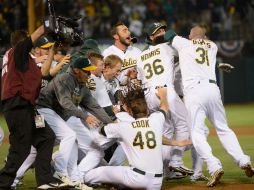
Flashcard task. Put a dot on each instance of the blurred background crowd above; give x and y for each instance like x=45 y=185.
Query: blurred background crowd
x=225 y=19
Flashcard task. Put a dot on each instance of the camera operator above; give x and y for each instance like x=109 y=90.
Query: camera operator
x=21 y=83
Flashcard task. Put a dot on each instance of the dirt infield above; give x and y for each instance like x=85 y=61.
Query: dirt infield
x=239 y=131
x=221 y=186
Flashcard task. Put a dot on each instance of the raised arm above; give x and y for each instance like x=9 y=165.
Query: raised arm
x=37 y=33
x=172 y=142
x=162 y=94
x=45 y=68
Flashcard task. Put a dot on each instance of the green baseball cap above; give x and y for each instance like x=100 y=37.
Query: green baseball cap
x=83 y=63
x=90 y=45
x=154 y=27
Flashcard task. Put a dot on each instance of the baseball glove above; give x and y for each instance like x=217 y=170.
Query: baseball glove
x=226 y=67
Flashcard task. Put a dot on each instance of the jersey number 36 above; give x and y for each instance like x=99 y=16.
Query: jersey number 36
x=153 y=69
x=149 y=137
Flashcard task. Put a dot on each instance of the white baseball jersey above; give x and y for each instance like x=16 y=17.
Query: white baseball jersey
x=203 y=99
x=141 y=140
x=129 y=58
x=155 y=65
x=196 y=62
x=100 y=92
x=178 y=79
x=156 y=68
x=111 y=86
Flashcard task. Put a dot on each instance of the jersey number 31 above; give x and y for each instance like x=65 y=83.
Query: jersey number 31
x=150 y=140
x=202 y=56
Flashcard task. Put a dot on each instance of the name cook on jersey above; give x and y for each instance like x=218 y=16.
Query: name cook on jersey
x=150 y=54
x=140 y=123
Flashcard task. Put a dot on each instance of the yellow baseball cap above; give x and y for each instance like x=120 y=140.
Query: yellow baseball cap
x=44 y=42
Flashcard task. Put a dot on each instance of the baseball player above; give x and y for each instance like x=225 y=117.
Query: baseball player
x=97 y=86
x=123 y=48
x=202 y=98
x=65 y=103
x=112 y=70
x=155 y=35
x=156 y=68
x=141 y=139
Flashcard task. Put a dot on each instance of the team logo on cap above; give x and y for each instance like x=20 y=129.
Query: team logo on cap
x=157 y=24
x=89 y=62
x=46 y=39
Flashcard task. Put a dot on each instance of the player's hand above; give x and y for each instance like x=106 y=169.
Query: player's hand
x=41 y=59
x=226 y=67
x=161 y=92
x=132 y=73
x=66 y=59
x=116 y=108
x=184 y=143
x=92 y=121
x=173 y=142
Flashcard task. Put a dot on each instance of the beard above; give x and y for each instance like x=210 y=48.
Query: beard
x=159 y=40
x=124 y=42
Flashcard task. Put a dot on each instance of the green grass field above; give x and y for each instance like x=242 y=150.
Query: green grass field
x=239 y=117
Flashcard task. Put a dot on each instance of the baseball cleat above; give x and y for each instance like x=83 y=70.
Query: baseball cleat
x=201 y=177
x=65 y=179
x=175 y=175
x=81 y=186
x=48 y=186
x=215 y=178
x=181 y=169
x=249 y=171
x=17 y=182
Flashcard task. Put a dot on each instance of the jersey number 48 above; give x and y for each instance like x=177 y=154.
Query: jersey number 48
x=149 y=137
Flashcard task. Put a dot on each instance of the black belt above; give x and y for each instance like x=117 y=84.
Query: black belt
x=160 y=86
x=144 y=173
x=212 y=81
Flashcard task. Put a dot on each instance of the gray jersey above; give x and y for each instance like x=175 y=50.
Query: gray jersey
x=64 y=94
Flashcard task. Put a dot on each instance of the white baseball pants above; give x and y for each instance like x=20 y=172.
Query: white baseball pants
x=85 y=142
x=25 y=166
x=178 y=114
x=204 y=100
x=123 y=175
x=64 y=134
